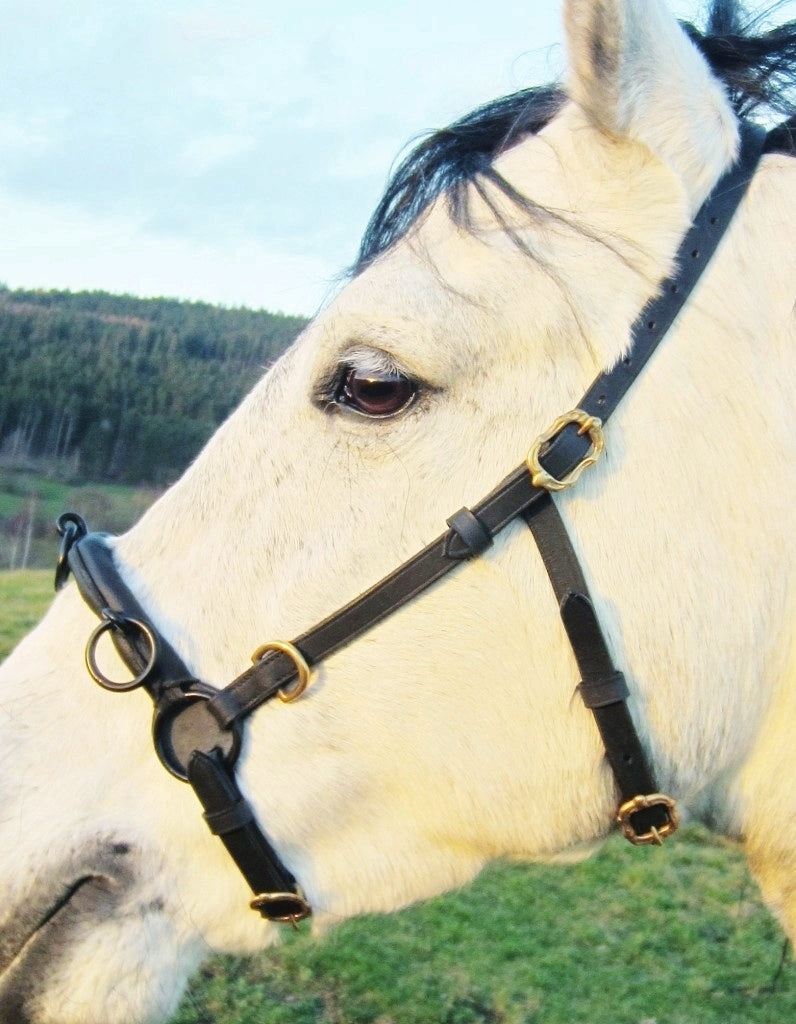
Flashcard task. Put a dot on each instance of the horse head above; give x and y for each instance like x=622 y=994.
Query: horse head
x=496 y=281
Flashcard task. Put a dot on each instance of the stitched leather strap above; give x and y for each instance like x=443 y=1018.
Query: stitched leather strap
x=229 y=816
x=694 y=254
x=603 y=687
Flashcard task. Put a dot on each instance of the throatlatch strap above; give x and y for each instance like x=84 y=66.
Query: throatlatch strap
x=229 y=816
x=602 y=688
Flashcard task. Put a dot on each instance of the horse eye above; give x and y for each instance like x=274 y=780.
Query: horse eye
x=375 y=394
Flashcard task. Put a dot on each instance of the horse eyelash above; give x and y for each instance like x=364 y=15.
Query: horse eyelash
x=366 y=361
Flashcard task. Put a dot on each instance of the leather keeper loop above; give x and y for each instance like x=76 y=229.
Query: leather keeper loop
x=470 y=530
x=599 y=693
x=229 y=819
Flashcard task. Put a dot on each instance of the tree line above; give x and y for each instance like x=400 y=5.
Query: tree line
x=107 y=387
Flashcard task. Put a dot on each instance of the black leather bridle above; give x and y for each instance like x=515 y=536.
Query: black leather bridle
x=197 y=729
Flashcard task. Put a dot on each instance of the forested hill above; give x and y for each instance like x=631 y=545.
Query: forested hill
x=109 y=387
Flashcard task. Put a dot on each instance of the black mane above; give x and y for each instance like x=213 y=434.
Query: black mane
x=757 y=67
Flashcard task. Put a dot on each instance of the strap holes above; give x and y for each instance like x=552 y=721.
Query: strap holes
x=601 y=400
x=627 y=758
x=714 y=220
x=627 y=360
x=695 y=254
x=674 y=289
x=651 y=325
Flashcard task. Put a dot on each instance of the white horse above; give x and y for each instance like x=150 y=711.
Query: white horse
x=449 y=734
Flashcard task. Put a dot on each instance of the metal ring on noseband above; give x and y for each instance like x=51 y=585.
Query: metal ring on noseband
x=180 y=726
x=588 y=424
x=298 y=659
x=112 y=620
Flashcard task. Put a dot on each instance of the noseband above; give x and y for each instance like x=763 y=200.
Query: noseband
x=197 y=729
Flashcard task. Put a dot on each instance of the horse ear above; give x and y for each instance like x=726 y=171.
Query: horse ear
x=637 y=76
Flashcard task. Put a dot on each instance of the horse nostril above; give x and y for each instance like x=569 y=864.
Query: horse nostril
x=120 y=849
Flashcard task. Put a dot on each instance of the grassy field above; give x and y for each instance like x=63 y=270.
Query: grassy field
x=24 y=597
x=26 y=496
x=672 y=936
x=633 y=936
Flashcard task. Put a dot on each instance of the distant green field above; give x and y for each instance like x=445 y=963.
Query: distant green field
x=28 y=498
x=55 y=495
x=633 y=936
x=24 y=597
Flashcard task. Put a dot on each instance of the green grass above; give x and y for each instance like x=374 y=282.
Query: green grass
x=672 y=936
x=24 y=597
x=633 y=936
x=110 y=507
x=53 y=495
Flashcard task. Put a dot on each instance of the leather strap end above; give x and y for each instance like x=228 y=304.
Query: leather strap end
x=229 y=816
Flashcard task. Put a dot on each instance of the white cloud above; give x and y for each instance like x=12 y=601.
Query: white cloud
x=224 y=151
x=49 y=246
x=230 y=151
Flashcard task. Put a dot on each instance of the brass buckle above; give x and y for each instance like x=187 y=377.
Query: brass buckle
x=655 y=836
x=588 y=424
x=282 y=907
x=298 y=659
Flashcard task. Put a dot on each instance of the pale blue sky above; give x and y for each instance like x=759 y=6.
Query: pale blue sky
x=231 y=150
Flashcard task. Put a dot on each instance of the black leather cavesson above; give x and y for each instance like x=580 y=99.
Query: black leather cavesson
x=189 y=742
x=197 y=729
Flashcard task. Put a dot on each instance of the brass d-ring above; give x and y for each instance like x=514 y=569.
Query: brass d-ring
x=298 y=659
x=121 y=622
